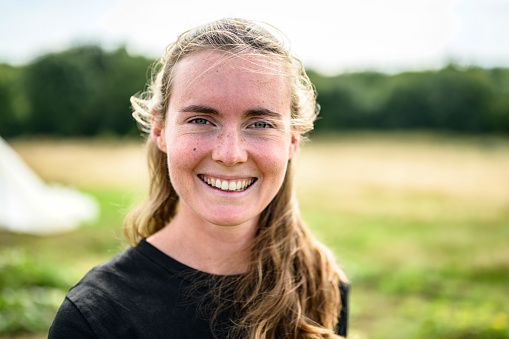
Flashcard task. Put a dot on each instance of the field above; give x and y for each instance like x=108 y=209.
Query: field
x=420 y=224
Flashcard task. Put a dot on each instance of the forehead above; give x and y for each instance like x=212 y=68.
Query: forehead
x=214 y=73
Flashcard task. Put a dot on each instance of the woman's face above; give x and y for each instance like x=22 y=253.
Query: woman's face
x=227 y=136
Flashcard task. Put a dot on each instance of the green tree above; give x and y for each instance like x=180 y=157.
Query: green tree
x=13 y=103
x=63 y=90
x=126 y=75
x=83 y=91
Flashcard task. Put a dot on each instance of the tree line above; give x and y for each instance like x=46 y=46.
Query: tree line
x=453 y=99
x=84 y=91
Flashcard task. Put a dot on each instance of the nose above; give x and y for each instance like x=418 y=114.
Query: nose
x=230 y=148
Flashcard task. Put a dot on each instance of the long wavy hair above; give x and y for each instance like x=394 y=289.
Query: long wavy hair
x=291 y=289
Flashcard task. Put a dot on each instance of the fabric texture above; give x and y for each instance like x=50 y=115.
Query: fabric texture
x=143 y=293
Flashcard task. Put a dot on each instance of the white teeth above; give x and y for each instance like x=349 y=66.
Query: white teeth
x=224 y=185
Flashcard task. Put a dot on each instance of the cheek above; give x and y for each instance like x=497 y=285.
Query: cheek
x=274 y=160
x=183 y=156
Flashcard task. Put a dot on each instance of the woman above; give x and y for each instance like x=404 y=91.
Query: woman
x=220 y=248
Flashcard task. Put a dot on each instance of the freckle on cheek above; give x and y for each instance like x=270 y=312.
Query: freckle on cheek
x=194 y=149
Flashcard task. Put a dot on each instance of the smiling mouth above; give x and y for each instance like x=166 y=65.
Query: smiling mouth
x=237 y=185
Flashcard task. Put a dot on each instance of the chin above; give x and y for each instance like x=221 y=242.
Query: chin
x=230 y=220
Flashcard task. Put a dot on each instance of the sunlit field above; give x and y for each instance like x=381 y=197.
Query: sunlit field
x=419 y=223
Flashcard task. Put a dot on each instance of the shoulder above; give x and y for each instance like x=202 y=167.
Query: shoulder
x=70 y=323
x=136 y=272
x=105 y=290
x=81 y=315
x=105 y=279
x=138 y=293
x=117 y=297
x=344 y=289
x=128 y=272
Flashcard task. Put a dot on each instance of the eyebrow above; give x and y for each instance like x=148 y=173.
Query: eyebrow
x=256 y=112
x=198 y=109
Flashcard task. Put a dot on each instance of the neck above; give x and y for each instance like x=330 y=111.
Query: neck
x=221 y=250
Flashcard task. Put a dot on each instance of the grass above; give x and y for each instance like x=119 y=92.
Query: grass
x=36 y=272
x=418 y=222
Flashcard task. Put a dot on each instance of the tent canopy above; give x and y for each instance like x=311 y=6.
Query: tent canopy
x=28 y=205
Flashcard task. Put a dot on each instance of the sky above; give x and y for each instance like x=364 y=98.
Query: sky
x=330 y=36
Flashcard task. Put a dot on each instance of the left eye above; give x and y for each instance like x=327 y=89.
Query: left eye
x=199 y=121
x=260 y=124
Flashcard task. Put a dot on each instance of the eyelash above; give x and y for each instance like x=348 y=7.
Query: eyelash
x=265 y=123
x=199 y=121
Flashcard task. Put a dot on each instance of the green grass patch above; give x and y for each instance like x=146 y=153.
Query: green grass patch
x=415 y=277
x=36 y=272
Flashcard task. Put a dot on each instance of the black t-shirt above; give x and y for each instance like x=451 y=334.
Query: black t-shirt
x=143 y=293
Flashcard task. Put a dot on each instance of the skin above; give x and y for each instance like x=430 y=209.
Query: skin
x=228 y=118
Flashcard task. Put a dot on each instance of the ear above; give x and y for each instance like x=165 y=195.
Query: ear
x=294 y=144
x=157 y=133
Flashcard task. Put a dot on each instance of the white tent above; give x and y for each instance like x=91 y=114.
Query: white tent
x=28 y=205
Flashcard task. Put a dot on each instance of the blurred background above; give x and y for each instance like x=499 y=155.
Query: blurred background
x=406 y=178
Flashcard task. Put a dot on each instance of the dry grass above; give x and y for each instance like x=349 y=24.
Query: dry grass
x=86 y=163
x=463 y=168
x=347 y=173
